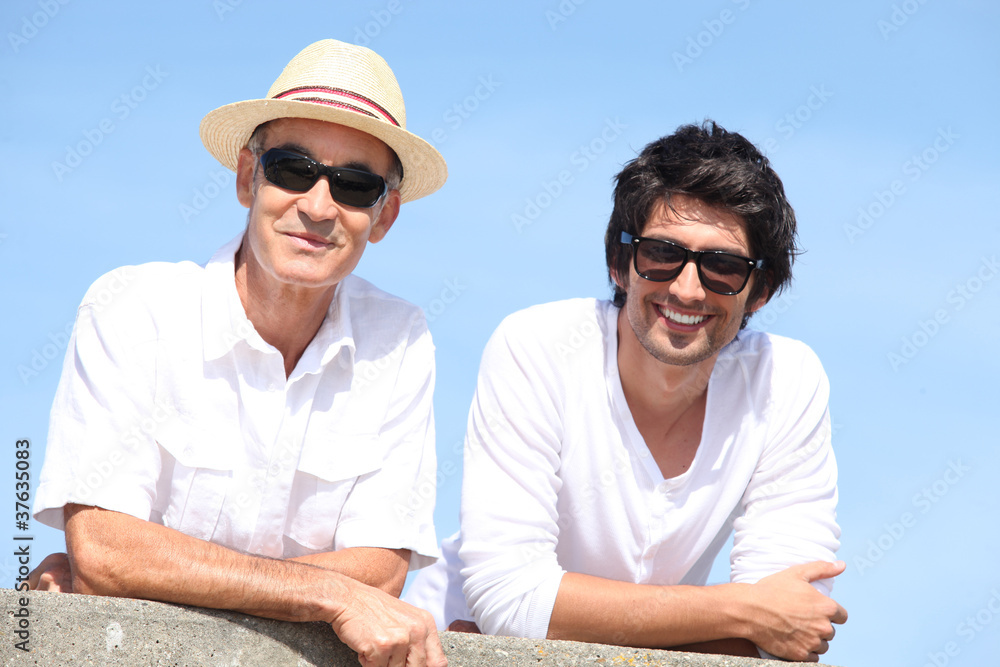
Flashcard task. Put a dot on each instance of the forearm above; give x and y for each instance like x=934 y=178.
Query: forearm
x=782 y=613
x=116 y=554
x=384 y=569
x=593 y=609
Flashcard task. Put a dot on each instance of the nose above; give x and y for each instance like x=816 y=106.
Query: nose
x=317 y=202
x=687 y=286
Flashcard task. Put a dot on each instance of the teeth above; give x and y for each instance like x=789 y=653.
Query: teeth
x=681 y=319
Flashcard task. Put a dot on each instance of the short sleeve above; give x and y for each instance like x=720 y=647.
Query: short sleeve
x=101 y=450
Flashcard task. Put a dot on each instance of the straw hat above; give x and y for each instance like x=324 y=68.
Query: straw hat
x=339 y=83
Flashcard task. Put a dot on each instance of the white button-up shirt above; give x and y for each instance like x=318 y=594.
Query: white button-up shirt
x=173 y=409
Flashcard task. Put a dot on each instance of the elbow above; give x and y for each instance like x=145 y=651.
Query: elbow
x=393 y=584
x=87 y=569
x=90 y=559
x=492 y=617
x=393 y=570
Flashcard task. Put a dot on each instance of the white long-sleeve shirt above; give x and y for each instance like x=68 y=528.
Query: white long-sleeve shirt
x=558 y=478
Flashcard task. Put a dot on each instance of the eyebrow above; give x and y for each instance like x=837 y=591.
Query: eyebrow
x=738 y=252
x=302 y=150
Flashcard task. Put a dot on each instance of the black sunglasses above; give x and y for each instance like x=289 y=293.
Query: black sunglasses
x=351 y=187
x=660 y=261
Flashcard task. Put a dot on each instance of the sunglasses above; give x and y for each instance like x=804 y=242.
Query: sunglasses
x=660 y=261
x=351 y=187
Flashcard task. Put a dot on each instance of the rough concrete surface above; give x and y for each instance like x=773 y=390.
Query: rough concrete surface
x=77 y=630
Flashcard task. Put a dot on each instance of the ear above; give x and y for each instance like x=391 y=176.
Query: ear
x=620 y=281
x=244 y=178
x=386 y=216
x=760 y=301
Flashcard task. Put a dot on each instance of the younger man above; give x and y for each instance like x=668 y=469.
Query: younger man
x=612 y=447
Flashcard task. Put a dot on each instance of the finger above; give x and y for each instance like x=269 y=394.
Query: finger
x=375 y=655
x=372 y=658
x=33 y=578
x=820 y=569
x=464 y=626
x=36 y=574
x=840 y=616
x=435 y=652
x=47 y=582
x=52 y=582
x=406 y=655
x=824 y=646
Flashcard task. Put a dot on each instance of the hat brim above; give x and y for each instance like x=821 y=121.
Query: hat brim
x=226 y=130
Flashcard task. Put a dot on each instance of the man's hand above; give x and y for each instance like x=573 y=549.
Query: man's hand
x=467 y=627
x=792 y=619
x=385 y=631
x=53 y=574
x=117 y=554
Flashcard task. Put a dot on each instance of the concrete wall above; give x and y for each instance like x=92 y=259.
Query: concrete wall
x=83 y=630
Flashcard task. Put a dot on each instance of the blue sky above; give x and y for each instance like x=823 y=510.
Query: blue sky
x=879 y=116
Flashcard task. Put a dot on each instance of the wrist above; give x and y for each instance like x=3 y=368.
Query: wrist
x=338 y=591
x=739 y=610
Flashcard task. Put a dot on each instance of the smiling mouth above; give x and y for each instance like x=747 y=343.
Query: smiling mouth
x=314 y=241
x=673 y=316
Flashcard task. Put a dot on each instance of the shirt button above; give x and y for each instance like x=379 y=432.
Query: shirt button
x=272 y=387
x=274 y=470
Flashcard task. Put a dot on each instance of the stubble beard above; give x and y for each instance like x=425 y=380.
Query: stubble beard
x=679 y=348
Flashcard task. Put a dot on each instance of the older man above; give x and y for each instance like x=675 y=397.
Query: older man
x=613 y=446
x=248 y=434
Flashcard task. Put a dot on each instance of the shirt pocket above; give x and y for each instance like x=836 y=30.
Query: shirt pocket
x=326 y=475
x=203 y=465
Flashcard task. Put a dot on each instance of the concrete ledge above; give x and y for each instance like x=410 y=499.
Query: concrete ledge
x=86 y=630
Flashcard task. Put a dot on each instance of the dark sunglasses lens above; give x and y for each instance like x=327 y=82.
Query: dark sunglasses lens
x=356 y=188
x=724 y=273
x=290 y=172
x=656 y=260
x=351 y=187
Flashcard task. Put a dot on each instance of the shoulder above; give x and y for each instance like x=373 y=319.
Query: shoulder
x=761 y=347
x=370 y=307
x=775 y=365
x=129 y=290
x=551 y=323
x=552 y=333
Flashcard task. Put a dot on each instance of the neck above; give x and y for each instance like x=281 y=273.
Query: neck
x=286 y=316
x=654 y=387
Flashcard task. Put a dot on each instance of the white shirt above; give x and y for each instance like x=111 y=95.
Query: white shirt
x=558 y=478
x=173 y=409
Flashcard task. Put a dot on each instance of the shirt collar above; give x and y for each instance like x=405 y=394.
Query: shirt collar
x=225 y=323
x=335 y=334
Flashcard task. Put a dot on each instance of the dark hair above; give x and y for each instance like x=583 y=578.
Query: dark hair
x=720 y=168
